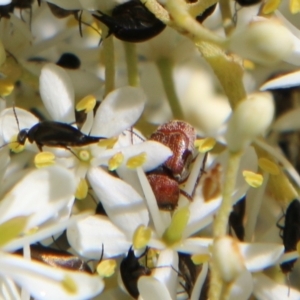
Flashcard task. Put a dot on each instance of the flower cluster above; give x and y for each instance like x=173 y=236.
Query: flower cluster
x=149 y=149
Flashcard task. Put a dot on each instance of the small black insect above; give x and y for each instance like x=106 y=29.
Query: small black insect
x=290 y=233
x=132 y=22
x=201 y=18
x=236 y=218
x=55 y=134
x=69 y=61
x=247 y=2
x=57 y=258
x=131 y=270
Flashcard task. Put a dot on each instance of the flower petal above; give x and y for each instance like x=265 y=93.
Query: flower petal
x=118 y=111
x=57 y=93
x=44 y=282
x=89 y=235
x=124 y=206
x=39 y=195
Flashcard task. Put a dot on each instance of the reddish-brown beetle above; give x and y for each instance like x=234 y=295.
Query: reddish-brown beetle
x=179 y=136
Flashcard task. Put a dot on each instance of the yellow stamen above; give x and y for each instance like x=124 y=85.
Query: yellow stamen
x=6 y=87
x=14 y=146
x=205 y=145
x=268 y=166
x=11 y=229
x=141 y=237
x=136 y=161
x=108 y=143
x=248 y=64
x=69 y=284
x=87 y=104
x=270 y=6
x=200 y=258
x=32 y=230
x=106 y=268
x=253 y=179
x=44 y=159
x=294 y=6
x=82 y=189
x=115 y=161
x=84 y=155
x=173 y=233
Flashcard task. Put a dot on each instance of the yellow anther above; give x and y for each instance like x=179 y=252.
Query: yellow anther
x=82 y=189
x=141 y=237
x=200 y=258
x=106 y=268
x=268 y=166
x=16 y=147
x=248 y=64
x=205 y=145
x=136 y=161
x=253 y=179
x=69 y=284
x=44 y=159
x=173 y=233
x=6 y=87
x=294 y=6
x=115 y=161
x=11 y=229
x=87 y=104
x=108 y=143
x=84 y=155
x=270 y=6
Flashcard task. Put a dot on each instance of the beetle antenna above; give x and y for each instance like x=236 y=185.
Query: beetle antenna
x=15 y=113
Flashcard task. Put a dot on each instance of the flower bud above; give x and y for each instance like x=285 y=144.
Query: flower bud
x=227 y=258
x=250 y=119
x=263 y=41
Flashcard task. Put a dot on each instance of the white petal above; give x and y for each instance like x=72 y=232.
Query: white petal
x=157 y=154
x=118 y=111
x=9 y=126
x=266 y=289
x=242 y=287
x=5 y=2
x=289 y=121
x=44 y=282
x=39 y=195
x=124 y=206
x=285 y=81
x=43 y=233
x=259 y=256
x=199 y=282
x=163 y=280
x=89 y=235
x=57 y=93
x=195 y=245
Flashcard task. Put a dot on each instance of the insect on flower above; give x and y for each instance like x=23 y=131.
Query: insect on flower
x=54 y=134
x=179 y=136
x=69 y=61
x=57 y=258
x=132 y=22
x=131 y=270
x=290 y=233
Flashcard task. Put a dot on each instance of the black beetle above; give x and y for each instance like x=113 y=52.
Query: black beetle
x=247 y=2
x=69 y=61
x=132 y=22
x=236 y=218
x=55 y=134
x=131 y=270
x=57 y=258
x=290 y=233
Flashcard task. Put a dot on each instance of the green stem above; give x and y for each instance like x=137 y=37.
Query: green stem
x=221 y=219
x=165 y=67
x=132 y=64
x=226 y=16
x=109 y=62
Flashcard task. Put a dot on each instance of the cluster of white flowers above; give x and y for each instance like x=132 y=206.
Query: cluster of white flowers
x=78 y=102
